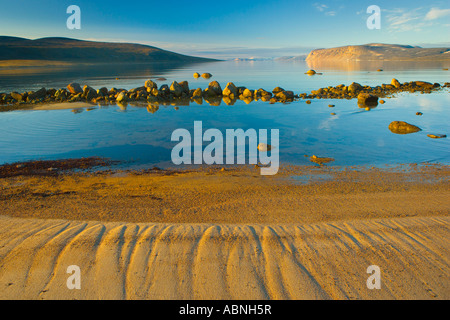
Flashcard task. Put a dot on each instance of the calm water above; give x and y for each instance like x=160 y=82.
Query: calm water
x=353 y=136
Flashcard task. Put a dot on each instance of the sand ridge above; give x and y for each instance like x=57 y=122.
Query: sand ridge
x=226 y=234
x=213 y=261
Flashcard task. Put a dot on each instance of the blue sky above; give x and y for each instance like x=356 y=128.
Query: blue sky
x=233 y=28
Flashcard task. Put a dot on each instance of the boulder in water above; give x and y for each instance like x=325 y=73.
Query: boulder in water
x=402 y=127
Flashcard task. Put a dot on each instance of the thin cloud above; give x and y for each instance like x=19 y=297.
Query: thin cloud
x=320 y=7
x=436 y=13
x=324 y=8
x=401 y=20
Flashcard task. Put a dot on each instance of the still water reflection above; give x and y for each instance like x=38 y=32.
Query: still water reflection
x=140 y=135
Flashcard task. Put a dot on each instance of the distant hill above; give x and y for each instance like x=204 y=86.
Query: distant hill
x=380 y=52
x=72 y=50
x=292 y=58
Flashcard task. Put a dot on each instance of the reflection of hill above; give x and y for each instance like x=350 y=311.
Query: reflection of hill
x=380 y=52
x=13 y=79
x=352 y=65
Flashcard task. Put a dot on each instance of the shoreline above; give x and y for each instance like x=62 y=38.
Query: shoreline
x=297 y=194
x=227 y=234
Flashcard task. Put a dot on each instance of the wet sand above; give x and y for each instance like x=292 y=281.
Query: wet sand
x=63 y=105
x=231 y=234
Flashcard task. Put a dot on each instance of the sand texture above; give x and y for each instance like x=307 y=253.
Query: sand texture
x=202 y=261
x=226 y=235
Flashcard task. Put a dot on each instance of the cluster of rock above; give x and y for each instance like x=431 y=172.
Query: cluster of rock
x=353 y=90
x=205 y=75
x=179 y=93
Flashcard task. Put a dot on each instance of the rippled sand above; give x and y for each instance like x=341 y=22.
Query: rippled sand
x=320 y=248
x=202 y=261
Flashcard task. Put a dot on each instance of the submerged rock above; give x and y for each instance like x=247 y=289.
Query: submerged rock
x=437 y=136
x=320 y=160
x=401 y=127
x=310 y=72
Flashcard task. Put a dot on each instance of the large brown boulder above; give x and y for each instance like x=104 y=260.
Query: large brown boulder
x=176 y=89
x=401 y=127
x=285 y=95
x=74 y=88
x=367 y=100
x=40 y=94
x=103 y=91
x=229 y=90
x=354 y=87
x=214 y=86
x=185 y=86
x=396 y=83
x=122 y=97
x=16 y=96
x=197 y=93
x=277 y=90
x=247 y=93
x=423 y=84
x=150 y=85
x=89 y=93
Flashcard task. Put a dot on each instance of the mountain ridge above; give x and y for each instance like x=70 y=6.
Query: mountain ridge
x=380 y=52
x=75 y=50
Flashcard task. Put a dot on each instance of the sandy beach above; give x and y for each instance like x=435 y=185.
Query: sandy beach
x=227 y=234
